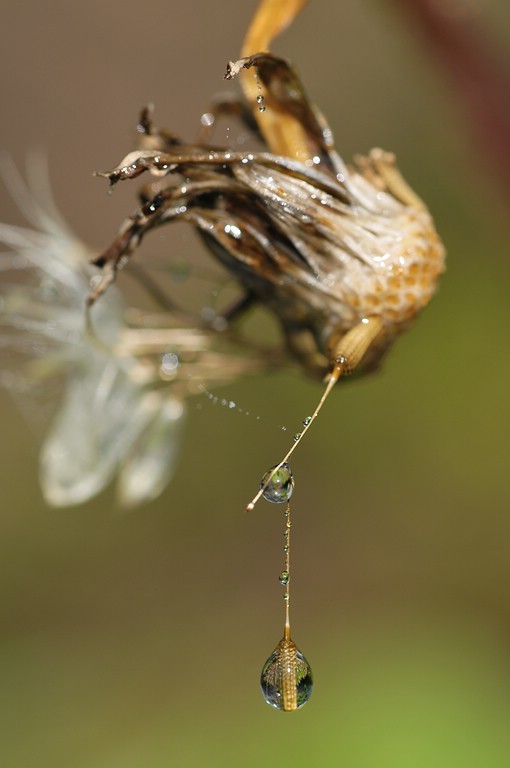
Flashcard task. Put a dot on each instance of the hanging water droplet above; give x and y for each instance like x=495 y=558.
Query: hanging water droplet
x=286 y=678
x=284 y=578
x=278 y=484
x=307 y=421
x=260 y=102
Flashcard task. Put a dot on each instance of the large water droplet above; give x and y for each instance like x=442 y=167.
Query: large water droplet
x=281 y=485
x=284 y=578
x=286 y=678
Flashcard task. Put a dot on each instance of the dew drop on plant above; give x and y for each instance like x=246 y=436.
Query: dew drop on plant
x=169 y=364
x=284 y=578
x=278 y=484
x=286 y=679
x=207 y=119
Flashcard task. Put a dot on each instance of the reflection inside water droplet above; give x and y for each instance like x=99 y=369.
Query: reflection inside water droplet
x=286 y=679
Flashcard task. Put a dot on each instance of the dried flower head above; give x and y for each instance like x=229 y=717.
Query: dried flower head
x=322 y=245
x=344 y=257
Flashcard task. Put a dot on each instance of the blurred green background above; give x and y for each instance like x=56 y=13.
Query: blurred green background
x=137 y=640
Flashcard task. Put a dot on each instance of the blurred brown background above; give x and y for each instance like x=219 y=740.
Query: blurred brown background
x=138 y=640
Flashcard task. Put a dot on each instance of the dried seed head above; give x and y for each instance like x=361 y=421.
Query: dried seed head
x=344 y=257
x=320 y=244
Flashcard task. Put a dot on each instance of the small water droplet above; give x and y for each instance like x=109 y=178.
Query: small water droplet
x=169 y=364
x=280 y=484
x=232 y=230
x=297 y=437
x=207 y=119
x=286 y=680
x=307 y=421
x=284 y=578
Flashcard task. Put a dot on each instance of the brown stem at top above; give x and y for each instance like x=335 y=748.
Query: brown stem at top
x=479 y=75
